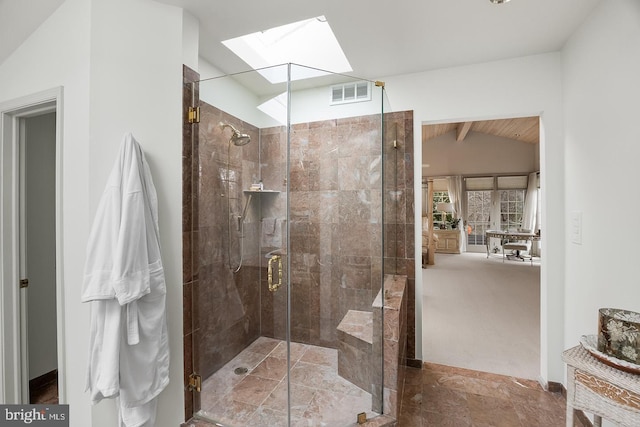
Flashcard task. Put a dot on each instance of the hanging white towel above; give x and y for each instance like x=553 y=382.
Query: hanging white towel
x=124 y=283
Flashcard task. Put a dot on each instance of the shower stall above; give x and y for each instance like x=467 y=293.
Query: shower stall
x=286 y=221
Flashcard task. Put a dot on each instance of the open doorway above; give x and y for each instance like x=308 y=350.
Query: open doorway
x=38 y=208
x=498 y=302
x=30 y=291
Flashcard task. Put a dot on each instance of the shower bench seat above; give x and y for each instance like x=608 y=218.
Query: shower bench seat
x=355 y=342
x=357 y=352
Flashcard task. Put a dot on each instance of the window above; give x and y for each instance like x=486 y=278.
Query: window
x=440 y=219
x=478 y=215
x=511 y=209
x=290 y=44
x=440 y=195
x=479 y=193
x=512 y=190
x=493 y=203
x=350 y=92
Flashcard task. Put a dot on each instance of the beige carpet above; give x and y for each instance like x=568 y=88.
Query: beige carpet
x=482 y=314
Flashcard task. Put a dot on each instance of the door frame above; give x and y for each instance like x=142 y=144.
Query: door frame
x=544 y=313
x=13 y=359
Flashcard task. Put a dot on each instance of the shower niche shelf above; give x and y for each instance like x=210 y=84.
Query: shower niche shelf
x=261 y=191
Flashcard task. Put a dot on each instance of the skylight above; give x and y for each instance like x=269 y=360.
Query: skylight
x=276 y=107
x=309 y=42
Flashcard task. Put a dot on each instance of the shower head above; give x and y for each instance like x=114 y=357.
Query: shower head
x=237 y=138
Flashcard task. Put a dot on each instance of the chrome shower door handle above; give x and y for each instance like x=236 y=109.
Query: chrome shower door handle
x=274 y=286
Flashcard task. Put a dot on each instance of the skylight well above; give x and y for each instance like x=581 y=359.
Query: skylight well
x=310 y=43
x=276 y=108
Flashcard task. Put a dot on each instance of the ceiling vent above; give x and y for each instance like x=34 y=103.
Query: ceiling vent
x=351 y=92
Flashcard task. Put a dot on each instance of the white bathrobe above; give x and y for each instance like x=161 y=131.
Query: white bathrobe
x=124 y=283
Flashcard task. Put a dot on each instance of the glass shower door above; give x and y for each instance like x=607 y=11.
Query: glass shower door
x=287 y=244
x=239 y=256
x=335 y=234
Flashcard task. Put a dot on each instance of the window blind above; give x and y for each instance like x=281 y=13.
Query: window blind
x=440 y=184
x=479 y=183
x=512 y=182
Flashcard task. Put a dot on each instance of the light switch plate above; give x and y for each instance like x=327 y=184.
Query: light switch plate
x=576 y=227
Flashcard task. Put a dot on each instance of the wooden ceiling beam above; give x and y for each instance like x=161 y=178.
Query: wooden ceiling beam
x=525 y=129
x=462 y=130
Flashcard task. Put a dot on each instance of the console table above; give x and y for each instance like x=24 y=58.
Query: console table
x=600 y=389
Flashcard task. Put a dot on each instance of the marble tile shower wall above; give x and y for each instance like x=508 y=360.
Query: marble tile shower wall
x=227 y=303
x=335 y=224
x=399 y=234
x=336 y=218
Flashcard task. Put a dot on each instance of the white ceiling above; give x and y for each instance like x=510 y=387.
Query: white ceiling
x=383 y=38
x=380 y=38
x=19 y=18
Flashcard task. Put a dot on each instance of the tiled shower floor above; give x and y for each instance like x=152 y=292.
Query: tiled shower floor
x=319 y=396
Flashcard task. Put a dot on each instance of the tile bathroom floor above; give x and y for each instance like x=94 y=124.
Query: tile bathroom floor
x=439 y=395
x=320 y=397
x=436 y=395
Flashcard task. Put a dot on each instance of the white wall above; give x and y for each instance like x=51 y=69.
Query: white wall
x=314 y=104
x=308 y=104
x=57 y=54
x=527 y=86
x=190 y=38
x=136 y=85
x=601 y=93
x=479 y=153
x=120 y=63
x=229 y=95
